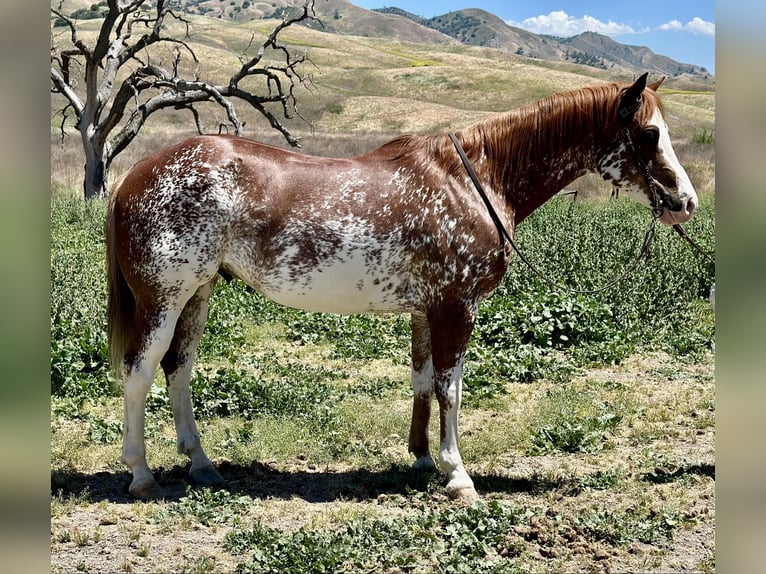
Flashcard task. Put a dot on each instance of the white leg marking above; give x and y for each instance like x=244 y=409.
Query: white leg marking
x=423 y=380
x=183 y=416
x=450 y=461
x=137 y=385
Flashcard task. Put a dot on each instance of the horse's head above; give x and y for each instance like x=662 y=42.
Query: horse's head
x=641 y=160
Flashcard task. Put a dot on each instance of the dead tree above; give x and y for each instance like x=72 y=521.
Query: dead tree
x=113 y=85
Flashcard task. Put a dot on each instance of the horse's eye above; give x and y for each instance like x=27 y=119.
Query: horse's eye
x=651 y=135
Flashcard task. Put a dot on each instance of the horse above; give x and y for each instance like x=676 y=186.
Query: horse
x=401 y=229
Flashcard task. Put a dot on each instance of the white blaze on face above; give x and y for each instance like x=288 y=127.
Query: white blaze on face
x=686 y=192
x=683 y=187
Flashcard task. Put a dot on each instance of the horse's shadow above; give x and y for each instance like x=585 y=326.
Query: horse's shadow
x=262 y=481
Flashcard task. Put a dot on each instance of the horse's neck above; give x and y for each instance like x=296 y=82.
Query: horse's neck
x=541 y=161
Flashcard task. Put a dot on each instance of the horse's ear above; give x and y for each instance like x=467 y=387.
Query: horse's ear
x=634 y=91
x=656 y=85
x=631 y=98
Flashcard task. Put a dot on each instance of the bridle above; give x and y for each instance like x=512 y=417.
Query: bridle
x=626 y=114
x=657 y=205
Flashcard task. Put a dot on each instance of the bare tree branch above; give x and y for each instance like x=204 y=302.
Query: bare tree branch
x=111 y=107
x=64 y=118
x=62 y=87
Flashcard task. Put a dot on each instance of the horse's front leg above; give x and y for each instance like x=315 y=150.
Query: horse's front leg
x=450 y=330
x=423 y=392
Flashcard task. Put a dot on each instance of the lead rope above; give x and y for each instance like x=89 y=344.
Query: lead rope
x=682 y=233
x=504 y=235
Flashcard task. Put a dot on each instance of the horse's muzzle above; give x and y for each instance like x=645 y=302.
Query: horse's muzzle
x=679 y=211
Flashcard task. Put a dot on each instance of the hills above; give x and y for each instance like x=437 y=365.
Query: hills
x=471 y=26
x=480 y=28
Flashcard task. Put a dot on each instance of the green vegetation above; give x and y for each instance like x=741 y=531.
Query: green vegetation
x=706 y=137
x=526 y=331
x=468 y=29
x=483 y=538
x=479 y=539
x=95 y=11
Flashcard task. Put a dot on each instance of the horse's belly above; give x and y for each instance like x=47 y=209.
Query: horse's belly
x=345 y=286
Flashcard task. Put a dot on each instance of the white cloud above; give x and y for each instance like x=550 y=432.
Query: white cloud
x=672 y=25
x=700 y=26
x=559 y=23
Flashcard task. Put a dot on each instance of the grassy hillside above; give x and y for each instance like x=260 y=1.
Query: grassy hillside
x=365 y=90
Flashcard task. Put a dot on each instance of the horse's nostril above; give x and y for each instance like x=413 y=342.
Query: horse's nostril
x=691 y=205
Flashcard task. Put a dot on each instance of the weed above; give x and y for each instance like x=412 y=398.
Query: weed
x=81 y=538
x=103 y=431
x=459 y=539
x=572 y=420
x=601 y=480
x=63 y=505
x=210 y=506
x=204 y=565
x=623 y=526
x=704 y=137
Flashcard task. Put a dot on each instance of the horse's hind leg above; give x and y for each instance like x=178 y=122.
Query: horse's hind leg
x=177 y=365
x=423 y=392
x=154 y=332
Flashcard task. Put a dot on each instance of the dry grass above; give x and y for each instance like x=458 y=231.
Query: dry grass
x=365 y=90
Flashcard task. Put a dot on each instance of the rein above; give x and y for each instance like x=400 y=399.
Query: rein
x=504 y=235
x=682 y=233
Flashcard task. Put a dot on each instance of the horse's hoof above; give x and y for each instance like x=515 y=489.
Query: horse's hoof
x=424 y=463
x=147 y=491
x=466 y=495
x=206 y=476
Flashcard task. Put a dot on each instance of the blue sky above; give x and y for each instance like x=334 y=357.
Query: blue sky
x=680 y=29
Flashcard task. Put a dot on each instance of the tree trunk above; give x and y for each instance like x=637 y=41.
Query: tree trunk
x=94 y=183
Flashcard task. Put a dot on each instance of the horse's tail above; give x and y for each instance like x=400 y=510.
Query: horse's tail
x=121 y=304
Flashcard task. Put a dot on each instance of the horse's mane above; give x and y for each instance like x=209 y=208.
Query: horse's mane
x=540 y=129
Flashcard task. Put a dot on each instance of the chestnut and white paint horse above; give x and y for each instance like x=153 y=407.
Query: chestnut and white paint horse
x=401 y=229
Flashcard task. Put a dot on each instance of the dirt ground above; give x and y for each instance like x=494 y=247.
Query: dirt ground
x=665 y=458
